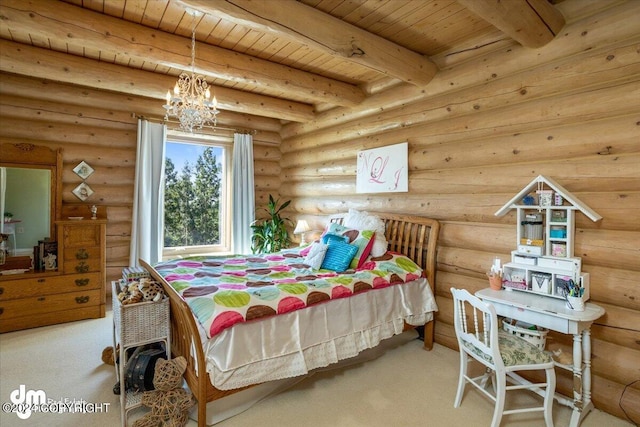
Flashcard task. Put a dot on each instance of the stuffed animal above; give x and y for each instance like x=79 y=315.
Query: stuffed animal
x=169 y=402
x=151 y=291
x=141 y=290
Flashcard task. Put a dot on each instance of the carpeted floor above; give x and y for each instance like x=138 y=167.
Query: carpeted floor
x=404 y=386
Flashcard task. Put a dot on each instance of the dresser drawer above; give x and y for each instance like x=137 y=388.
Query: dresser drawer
x=81 y=253
x=49 y=285
x=52 y=318
x=81 y=235
x=83 y=266
x=49 y=303
x=81 y=260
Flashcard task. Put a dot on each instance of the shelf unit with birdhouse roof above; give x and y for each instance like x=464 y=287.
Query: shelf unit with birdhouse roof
x=543 y=261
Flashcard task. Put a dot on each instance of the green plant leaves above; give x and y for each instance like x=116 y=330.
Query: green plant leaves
x=271 y=234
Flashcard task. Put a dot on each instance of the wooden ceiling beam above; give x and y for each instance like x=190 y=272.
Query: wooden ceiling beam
x=532 y=23
x=73 y=25
x=47 y=64
x=303 y=24
x=51 y=91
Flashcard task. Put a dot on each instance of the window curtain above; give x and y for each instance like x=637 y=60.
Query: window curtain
x=147 y=229
x=243 y=197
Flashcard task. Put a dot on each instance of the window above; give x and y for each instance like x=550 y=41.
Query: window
x=197 y=197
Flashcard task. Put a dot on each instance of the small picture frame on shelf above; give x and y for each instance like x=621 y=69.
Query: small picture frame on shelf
x=559 y=249
x=83 y=170
x=558 y=216
x=83 y=191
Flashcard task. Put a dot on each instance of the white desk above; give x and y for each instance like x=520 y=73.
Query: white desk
x=552 y=313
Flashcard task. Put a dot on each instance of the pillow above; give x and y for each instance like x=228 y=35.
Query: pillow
x=361 y=220
x=330 y=237
x=338 y=256
x=363 y=239
x=316 y=255
x=306 y=250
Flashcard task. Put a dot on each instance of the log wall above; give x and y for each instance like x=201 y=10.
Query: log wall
x=482 y=130
x=101 y=129
x=491 y=120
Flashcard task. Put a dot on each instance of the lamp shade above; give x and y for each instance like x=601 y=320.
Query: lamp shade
x=301 y=227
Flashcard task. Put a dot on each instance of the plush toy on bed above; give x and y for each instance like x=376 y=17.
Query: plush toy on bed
x=141 y=290
x=169 y=402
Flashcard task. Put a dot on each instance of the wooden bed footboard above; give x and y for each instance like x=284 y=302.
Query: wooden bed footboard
x=185 y=341
x=417 y=238
x=413 y=236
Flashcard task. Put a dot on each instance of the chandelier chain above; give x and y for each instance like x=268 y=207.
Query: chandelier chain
x=193 y=44
x=191 y=103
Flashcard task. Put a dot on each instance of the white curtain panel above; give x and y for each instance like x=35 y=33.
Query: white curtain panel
x=147 y=229
x=243 y=197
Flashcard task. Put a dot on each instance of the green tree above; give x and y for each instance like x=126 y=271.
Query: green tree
x=186 y=195
x=206 y=203
x=171 y=205
x=192 y=202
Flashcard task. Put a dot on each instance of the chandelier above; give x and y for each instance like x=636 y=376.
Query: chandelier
x=191 y=103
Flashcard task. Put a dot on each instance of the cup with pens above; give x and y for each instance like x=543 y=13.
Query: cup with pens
x=495 y=275
x=573 y=294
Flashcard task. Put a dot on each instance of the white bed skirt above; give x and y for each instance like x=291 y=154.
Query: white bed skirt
x=229 y=406
x=293 y=344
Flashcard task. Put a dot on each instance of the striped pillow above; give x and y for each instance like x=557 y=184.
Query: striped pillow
x=363 y=239
x=338 y=256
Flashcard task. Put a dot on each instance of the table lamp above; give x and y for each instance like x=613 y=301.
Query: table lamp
x=301 y=228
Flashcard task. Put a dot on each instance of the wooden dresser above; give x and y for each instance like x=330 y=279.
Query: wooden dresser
x=75 y=291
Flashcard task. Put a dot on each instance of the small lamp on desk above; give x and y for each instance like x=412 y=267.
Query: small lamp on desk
x=301 y=228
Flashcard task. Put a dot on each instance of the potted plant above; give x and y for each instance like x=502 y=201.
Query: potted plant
x=271 y=234
x=8 y=216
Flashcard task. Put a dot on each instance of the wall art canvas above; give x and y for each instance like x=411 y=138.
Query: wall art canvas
x=383 y=170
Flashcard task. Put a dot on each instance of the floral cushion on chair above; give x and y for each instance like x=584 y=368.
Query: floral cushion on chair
x=514 y=351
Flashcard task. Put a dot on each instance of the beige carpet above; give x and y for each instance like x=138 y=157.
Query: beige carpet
x=405 y=386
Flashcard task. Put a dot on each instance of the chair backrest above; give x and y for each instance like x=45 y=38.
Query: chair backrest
x=476 y=326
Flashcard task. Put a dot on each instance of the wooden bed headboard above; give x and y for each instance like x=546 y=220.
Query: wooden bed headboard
x=413 y=236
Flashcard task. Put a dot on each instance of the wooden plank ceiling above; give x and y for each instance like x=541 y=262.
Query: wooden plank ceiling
x=285 y=59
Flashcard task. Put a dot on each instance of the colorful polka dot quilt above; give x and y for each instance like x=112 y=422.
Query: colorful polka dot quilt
x=223 y=291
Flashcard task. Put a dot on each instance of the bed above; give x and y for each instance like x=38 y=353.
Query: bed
x=412 y=237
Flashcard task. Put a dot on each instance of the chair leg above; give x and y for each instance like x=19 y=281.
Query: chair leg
x=549 y=395
x=461 y=380
x=501 y=388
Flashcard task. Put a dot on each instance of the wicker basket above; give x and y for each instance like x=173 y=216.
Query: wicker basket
x=141 y=322
x=537 y=337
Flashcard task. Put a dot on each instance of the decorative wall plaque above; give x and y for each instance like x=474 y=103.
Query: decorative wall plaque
x=83 y=170
x=83 y=191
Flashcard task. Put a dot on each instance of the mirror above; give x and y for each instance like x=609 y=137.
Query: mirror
x=30 y=190
x=25 y=198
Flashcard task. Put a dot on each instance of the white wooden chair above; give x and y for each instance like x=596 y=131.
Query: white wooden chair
x=501 y=353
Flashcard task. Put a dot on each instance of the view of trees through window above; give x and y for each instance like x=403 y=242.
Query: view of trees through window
x=192 y=198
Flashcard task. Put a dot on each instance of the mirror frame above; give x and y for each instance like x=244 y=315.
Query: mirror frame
x=27 y=155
